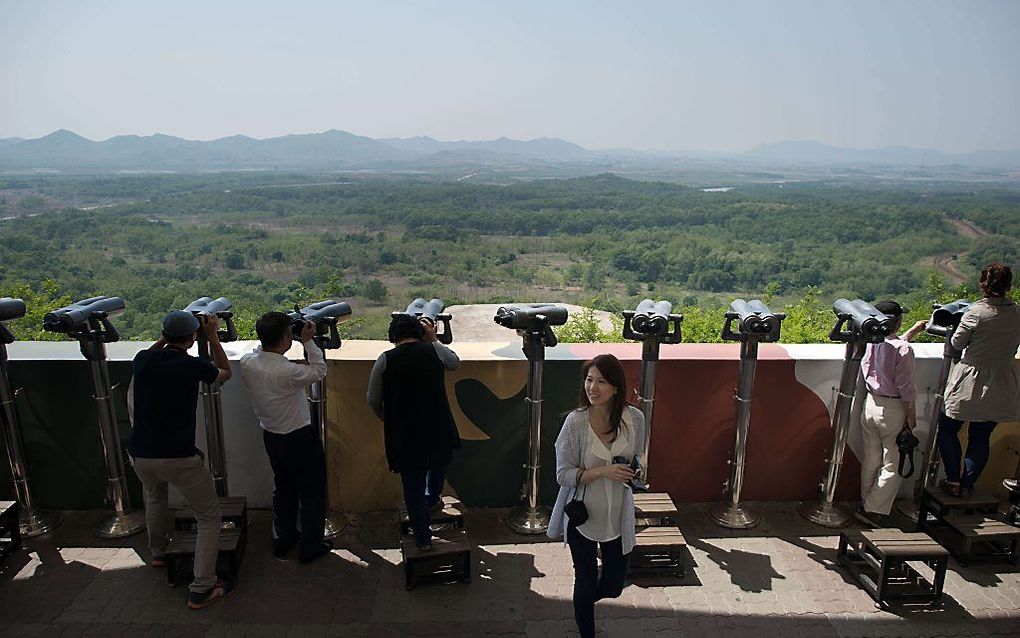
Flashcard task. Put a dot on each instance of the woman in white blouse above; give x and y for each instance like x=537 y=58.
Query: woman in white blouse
x=602 y=428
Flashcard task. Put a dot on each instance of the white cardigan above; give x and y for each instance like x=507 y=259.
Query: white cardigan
x=569 y=448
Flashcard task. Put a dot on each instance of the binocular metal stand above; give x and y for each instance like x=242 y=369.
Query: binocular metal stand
x=930 y=462
x=531 y=518
x=212 y=408
x=32 y=520
x=824 y=511
x=755 y=324
x=667 y=330
x=732 y=513
x=124 y=522
x=317 y=408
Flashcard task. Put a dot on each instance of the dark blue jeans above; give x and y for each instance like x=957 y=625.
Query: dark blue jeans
x=977 y=449
x=589 y=588
x=423 y=488
x=299 y=475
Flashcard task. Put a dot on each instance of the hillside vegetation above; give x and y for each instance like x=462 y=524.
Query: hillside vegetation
x=268 y=241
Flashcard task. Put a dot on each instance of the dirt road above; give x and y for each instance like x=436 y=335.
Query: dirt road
x=947 y=264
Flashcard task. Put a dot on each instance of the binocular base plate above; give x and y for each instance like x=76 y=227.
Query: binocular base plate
x=734 y=516
x=121 y=525
x=37 y=523
x=524 y=520
x=824 y=514
x=334 y=525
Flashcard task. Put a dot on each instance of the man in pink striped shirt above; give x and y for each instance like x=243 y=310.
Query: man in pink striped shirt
x=888 y=369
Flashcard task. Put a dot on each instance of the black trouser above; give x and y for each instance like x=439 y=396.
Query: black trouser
x=589 y=588
x=299 y=474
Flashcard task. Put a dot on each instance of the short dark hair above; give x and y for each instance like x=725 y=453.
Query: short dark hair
x=404 y=326
x=996 y=280
x=891 y=308
x=271 y=328
x=178 y=341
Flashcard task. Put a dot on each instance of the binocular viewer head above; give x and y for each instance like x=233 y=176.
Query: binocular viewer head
x=74 y=320
x=651 y=320
x=754 y=320
x=11 y=308
x=325 y=315
x=222 y=308
x=432 y=311
x=862 y=320
x=946 y=317
x=535 y=322
x=530 y=316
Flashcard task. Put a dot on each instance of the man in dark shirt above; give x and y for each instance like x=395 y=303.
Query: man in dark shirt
x=407 y=391
x=163 y=448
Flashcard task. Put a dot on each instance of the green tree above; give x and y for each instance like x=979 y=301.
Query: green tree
x=37 y=304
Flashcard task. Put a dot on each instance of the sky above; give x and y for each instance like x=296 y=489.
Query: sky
x=672 y=75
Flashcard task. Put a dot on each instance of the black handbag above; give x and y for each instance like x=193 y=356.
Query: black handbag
x=575 y=509
x=906 y=442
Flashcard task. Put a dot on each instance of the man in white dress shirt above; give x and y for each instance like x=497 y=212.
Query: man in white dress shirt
x=277 y=388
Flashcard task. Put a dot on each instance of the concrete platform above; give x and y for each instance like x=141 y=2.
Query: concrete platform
x=779 y=579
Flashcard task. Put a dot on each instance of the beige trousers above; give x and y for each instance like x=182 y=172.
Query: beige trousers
x=195 y=484
x=882 y=420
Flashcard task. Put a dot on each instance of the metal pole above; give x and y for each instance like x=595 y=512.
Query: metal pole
x=317 y=408
x=32 y=521
x=733 y=514
x=212 y=408
x=649 y=369
x=930 y=460
x=824 y=512
x=532 y=518
x=124 y=522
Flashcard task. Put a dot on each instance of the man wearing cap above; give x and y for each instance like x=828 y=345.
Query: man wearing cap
x=163 y=447
x=888 y=369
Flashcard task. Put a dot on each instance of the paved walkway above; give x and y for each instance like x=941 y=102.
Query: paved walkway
x=779 y=579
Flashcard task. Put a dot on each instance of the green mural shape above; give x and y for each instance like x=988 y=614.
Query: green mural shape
x=59 y=424
x=490 y=473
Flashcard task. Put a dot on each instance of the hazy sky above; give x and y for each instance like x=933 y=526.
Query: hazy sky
x=666 y=75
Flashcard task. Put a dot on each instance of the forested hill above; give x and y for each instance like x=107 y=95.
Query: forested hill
x=268 y=242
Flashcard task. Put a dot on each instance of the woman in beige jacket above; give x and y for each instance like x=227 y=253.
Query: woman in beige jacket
x=984 y=387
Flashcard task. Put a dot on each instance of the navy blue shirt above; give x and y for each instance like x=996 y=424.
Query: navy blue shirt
x=166 y=400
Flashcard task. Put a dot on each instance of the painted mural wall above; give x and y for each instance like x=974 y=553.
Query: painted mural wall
x=692 y=433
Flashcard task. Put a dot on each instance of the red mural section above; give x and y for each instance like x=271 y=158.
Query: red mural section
x=693 y=425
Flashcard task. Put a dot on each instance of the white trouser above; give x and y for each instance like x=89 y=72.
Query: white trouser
x=882 y=420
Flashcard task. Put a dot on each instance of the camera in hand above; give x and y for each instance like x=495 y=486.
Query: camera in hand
x=636 y=483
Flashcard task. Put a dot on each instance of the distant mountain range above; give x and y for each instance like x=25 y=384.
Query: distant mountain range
x=337 y=150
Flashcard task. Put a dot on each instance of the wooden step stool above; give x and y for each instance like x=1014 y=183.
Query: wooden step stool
x=448 y=560
x=979 y=536
x=878 y=560
x=10 y=530
x=654 y=509
x=452 y=516
x=233 y=513
x=938 y=504
x=180 y=553
x=659 y=551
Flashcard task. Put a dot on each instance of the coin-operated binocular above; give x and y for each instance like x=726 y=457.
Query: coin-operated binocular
x=432 y=311
x=945 y=318
x=326 y=315
x=88 y=321
x=203 y=308
x=754 y=324
x=534 y=323
x=652 y=323
x=858 y=323
x=31 y=520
